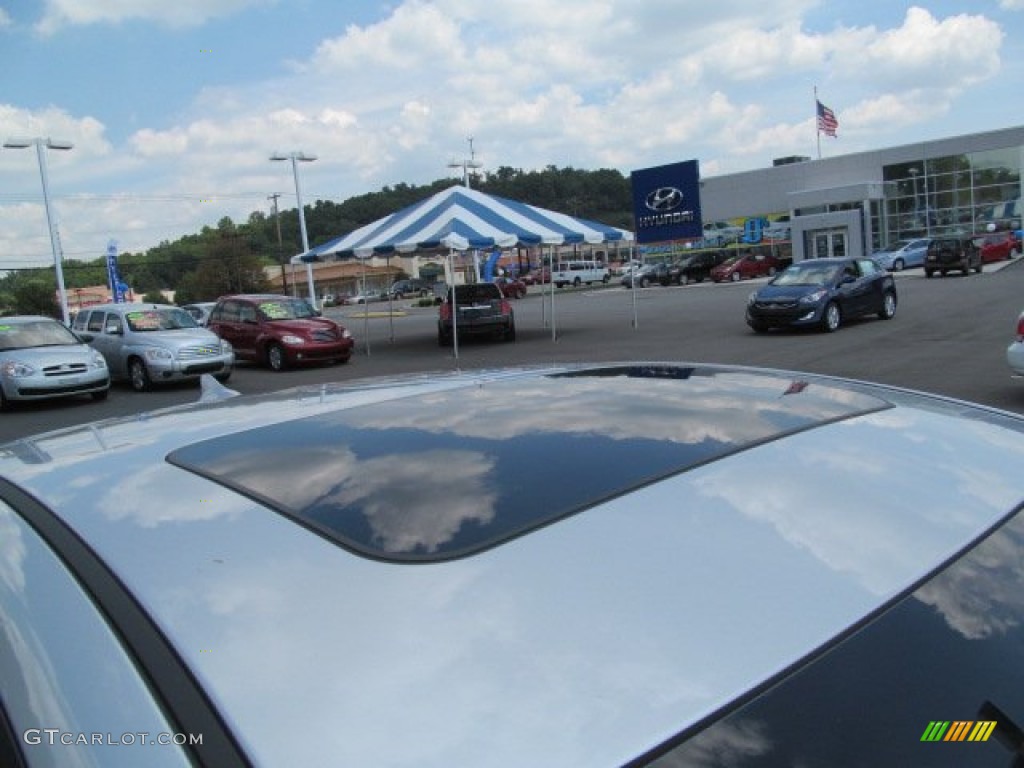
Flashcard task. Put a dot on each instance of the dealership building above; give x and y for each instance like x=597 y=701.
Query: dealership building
x=859 y=203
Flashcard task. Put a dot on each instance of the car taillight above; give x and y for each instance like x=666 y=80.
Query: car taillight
x=1020 y=328
x=506 y=308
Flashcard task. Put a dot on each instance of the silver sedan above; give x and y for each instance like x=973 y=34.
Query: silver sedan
x=40 y=359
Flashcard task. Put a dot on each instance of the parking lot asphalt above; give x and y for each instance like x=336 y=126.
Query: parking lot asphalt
x=949 y=336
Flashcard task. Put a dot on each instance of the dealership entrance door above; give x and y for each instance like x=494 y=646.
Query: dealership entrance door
x=826 y=243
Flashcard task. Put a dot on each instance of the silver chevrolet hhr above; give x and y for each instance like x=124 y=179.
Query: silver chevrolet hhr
x=146 y=344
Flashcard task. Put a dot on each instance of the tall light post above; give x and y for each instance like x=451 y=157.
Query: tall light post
x=51 y=223
x=466 y=164
x=296 y=158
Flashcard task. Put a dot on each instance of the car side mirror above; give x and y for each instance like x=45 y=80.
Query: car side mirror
x=847 y=279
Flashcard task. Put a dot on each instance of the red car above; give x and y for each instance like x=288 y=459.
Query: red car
x=511 y=287
x=745 y=267
x=537 y=276
x=279 y=331
x=998 y=246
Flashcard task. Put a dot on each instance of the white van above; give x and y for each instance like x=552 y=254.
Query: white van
x=579 y=272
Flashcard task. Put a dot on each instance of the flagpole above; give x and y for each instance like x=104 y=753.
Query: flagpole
x=817 y=123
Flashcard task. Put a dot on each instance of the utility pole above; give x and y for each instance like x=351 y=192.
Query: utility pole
x=280 y=242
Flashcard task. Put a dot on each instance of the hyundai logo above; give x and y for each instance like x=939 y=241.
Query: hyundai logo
x=664 y=199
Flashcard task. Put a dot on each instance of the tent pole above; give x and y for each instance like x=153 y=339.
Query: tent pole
x=551 y=259
x=543 y=294
x=366 y=312
x=391 y=308
x=455 y=310
x=632 y=285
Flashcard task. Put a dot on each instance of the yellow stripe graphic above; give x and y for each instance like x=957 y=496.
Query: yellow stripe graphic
x=982 y=730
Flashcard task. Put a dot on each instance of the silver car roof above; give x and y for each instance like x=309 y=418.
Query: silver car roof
x=756 y=516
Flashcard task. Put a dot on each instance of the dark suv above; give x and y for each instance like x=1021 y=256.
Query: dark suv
x=279 y=331
x=697 y=268
x=480 y=308
x=411 y=287
x=952 y=254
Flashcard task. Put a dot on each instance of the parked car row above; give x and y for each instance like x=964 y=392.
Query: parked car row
x=148 y=344
x=953 y=253
x=719 y=266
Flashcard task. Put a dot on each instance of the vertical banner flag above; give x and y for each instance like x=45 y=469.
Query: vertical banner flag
x=118 y=289
x=490 y=264
x=827 y=122
x=666 y=202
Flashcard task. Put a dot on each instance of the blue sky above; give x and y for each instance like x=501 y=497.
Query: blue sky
x=175 y=107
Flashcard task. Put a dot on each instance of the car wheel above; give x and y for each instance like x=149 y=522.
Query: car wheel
x=832 y=317
x=977 y=268
x=443 y=339
x=5 y=404
x=771 y=271
x=101 y=395
x=576 y=283
x=897 y=266
x=510 y=333
x=138 y=376
x=928 y=273
x=759 y=327
x=222 y=377
x=275 y=357
x=735 y=277
x=643 y=282
x=888 y=306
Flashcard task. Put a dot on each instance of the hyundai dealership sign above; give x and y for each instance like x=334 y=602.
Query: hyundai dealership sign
x=666 y=202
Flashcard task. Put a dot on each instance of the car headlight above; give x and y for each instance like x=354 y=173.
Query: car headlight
x=292 y=339
x=814 y=298
x=14 y=369
x=225 y=347
x=158 y=354
x=98 y=361
x=751 y=298
x=345 y=334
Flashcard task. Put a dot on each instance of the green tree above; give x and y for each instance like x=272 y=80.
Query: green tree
x=36 y=296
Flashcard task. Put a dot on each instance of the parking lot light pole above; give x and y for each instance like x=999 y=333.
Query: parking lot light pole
x=51 y=223
x=296 y=158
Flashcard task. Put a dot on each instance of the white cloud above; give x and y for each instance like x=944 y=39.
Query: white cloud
x=179 y=13
x=5 y=18
x=1012 y=5
x=581 y=83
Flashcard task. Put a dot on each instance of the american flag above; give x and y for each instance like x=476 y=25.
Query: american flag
x=827 y=122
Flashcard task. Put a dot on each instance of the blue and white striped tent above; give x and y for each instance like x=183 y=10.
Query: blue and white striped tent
x=460 y=219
